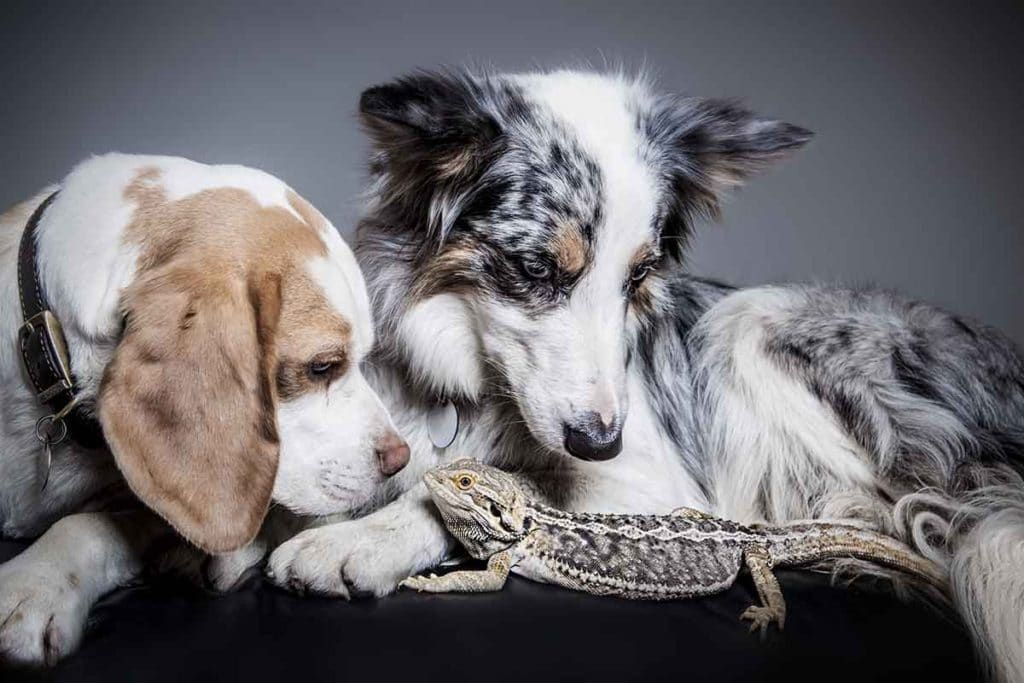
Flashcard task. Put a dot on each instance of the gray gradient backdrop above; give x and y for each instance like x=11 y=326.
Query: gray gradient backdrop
x=913 y=182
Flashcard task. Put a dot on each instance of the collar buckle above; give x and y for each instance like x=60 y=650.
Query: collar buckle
x=44 y=333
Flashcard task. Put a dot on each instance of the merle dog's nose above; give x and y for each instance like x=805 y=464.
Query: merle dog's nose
x=589 y=438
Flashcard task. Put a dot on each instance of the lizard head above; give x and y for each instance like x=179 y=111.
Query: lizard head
x=482 y=506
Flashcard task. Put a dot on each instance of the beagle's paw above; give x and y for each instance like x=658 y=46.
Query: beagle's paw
x=225 y=573
x=357 y=556
x=42 y=615
x=221 y=573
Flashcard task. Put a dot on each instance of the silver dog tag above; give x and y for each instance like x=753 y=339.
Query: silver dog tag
x=443 y=424
x=43 y=463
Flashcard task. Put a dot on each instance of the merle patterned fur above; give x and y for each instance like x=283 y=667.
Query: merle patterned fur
x=778 y=403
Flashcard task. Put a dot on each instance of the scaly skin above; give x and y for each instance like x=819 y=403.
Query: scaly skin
x=641 y=557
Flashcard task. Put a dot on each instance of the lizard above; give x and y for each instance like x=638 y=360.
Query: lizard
x=685 y=554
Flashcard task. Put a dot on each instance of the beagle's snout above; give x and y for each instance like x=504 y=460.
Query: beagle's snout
x=392 y=453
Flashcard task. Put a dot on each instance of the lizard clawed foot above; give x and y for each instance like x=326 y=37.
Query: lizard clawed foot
x=420 y=583
x=761 y=617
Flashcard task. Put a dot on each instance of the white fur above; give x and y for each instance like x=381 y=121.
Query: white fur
x=369 y=554
x=988 y=581
x=767 y=445
x=46 y=592
x=443 y=345
x=769 y=433
x=576 y=363
x=327 y=462
x=580 y=349
x=327 y=458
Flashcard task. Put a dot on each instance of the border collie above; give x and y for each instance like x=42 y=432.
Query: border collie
x=524 y=248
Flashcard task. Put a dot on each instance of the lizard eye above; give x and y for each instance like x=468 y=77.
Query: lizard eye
x=464 y=482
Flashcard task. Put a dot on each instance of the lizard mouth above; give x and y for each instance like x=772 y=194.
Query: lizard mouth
x=432 y=479
x=437 y=486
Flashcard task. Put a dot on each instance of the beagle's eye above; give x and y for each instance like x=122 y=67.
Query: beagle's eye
x=464 y=482
x=537 y=270
x=321 y=368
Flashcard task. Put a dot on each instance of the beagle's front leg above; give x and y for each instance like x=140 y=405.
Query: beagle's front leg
x=226 y=571
x=371 y=554
x=46 y=592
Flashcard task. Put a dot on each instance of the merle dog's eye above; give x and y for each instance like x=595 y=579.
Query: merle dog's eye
x=321 y=368
x=640 y=273
x=537 y=270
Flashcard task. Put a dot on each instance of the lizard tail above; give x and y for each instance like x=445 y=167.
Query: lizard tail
x=822 y=541
x=973 y=548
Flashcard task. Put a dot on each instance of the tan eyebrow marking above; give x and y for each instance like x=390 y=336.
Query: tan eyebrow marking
x=446 y=268
x=572 y=252
x=644 y=253
x=642 y=297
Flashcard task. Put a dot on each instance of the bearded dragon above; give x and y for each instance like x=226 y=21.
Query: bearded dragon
x=645 y=557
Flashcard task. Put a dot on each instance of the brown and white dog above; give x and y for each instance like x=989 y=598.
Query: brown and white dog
x=215 y=323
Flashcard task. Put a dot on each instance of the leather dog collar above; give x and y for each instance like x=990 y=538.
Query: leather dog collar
x=44 y=353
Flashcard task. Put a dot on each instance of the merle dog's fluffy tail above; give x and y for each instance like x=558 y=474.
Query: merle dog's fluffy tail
x=979 y=536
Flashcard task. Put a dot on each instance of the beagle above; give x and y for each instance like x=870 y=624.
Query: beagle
x=213 y=323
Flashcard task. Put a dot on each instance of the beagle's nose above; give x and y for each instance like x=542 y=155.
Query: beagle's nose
x=392 y=453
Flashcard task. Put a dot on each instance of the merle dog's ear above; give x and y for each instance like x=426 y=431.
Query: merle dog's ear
x=711 y=145
x=434 y=134
x=442 y=119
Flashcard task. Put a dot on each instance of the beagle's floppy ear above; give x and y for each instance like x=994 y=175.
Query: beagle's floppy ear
x=188 y=403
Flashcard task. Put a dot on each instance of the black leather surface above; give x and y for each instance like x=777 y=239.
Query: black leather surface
x=172 y=632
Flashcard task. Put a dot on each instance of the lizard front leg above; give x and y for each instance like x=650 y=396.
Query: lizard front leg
x=483 y=581
x=773 y=605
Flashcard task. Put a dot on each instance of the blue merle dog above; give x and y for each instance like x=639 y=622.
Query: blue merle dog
x=524 y=247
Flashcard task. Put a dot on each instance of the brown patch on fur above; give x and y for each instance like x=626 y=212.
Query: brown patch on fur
x=643 y=295
x=571 y=249
x=306 y=334
x=323 y=340
x=459 y=163
x=222 y=299
x=643 y=298
x=446 y=271
x=309 y=213
x=646 y=253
